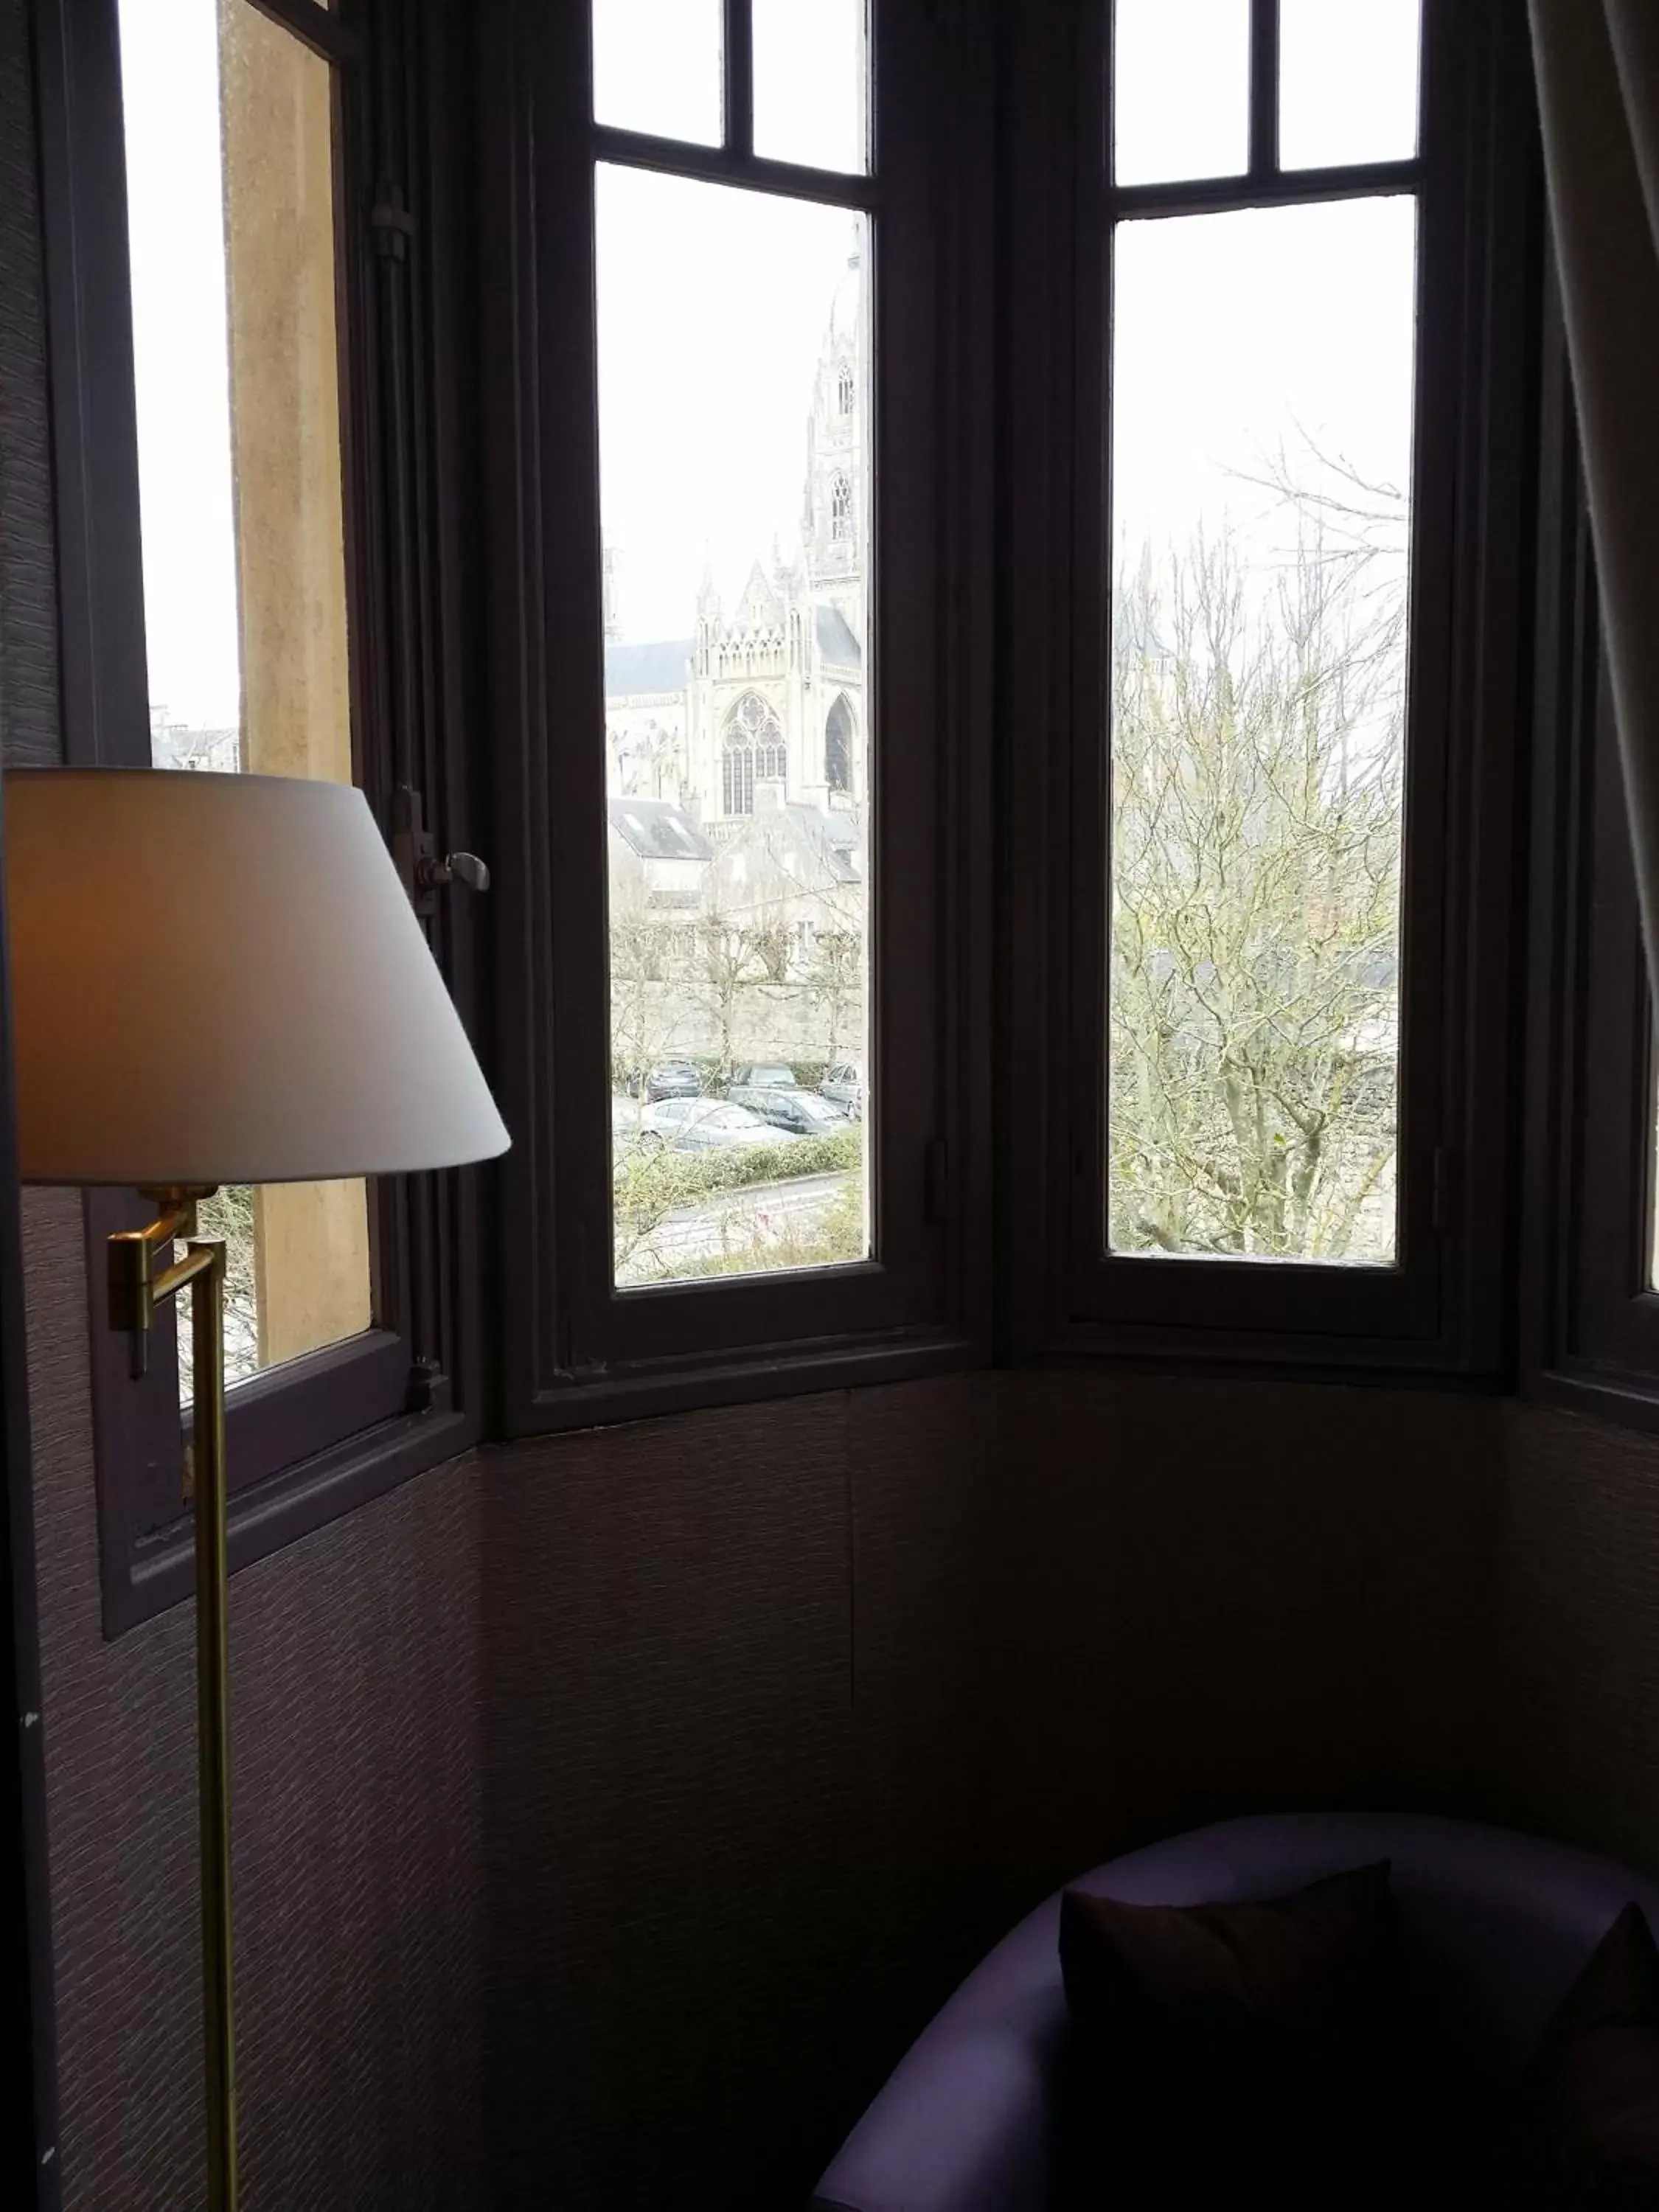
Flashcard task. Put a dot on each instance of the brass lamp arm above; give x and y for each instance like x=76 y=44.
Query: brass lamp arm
x=137 y=1284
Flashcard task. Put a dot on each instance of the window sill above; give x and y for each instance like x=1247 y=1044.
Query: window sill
x=1631 y=1401
x=156 y=1571
x=601 y=1397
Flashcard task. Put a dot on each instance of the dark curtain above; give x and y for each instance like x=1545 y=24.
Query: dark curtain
x=1598 y=90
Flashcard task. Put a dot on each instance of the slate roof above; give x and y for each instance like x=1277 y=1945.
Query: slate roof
x=836 y=641
x=657 y=830
x=631 y=671
x=833 y=839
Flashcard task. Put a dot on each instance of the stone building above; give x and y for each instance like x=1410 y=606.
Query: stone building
x=762 y=705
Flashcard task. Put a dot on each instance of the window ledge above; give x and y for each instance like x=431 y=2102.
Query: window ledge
x=601 y=1398
x=157 y=1571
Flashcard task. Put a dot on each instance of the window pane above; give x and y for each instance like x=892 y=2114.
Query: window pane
x=1347 y=82
x=735 y=480
x=1182 y=95
x=1258 y=701
x=811 y=72
x=657 y=67
x=229 y=124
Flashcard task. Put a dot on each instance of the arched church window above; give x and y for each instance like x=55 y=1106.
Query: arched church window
x=751 y=752
x=844 y=389
x=841 y=506
x=838 y=747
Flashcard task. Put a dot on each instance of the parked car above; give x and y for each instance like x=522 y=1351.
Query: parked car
x=671 y=1079
x=803 y=1113
x=702 y=1124
x=762 y=1075
x=626 y=1131
x=843 y=1086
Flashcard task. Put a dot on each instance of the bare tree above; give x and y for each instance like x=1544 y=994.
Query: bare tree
x=724 y=966
x=833 y=975
x=641 y=956
x=1256 y=812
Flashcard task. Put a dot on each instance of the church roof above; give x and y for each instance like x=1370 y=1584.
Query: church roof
x=657 y=829
x=794 y=833
x=633 y=671
x=835 y=640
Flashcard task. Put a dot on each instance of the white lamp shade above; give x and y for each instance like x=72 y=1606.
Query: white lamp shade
x=220 y=979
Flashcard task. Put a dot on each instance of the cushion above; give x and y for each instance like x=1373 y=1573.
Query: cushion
x=1293 y=1983
x=1588 y=2133
x=1220 y=2048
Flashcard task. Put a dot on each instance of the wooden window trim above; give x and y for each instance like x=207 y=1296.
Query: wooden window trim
x=311 y=1439
x=1590 y=1324
x=1444 y=1306
x=574 y=1350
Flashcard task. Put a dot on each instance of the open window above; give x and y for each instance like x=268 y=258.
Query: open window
x=237 y=427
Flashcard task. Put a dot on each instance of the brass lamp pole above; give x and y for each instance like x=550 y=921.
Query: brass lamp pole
x=323 y=1045
x=138 y=1283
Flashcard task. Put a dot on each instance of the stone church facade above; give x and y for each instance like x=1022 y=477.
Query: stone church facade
x=762 y=706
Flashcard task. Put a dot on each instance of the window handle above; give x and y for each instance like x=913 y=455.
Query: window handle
x=432 y=874
x=415 y=849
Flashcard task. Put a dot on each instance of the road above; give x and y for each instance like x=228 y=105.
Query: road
x=710 y=1227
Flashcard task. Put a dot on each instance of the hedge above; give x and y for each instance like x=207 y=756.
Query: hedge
x=653 y=1183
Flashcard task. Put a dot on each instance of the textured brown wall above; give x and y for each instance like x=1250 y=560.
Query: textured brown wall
x=790 y=1709
x=1577 y=1564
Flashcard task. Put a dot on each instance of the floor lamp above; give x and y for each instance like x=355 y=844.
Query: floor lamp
x=219 y=979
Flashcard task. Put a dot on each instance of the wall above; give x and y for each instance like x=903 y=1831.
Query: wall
x=1577 y=1564
x=791 y=1710
x=358 y=1867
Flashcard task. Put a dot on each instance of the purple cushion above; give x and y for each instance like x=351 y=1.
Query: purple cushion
x=1494 y=1929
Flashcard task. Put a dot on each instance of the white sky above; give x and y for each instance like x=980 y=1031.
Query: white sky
x=170 y=88
x=1234 y=332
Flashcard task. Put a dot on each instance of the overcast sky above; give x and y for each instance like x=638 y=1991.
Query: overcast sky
x=1234 y=333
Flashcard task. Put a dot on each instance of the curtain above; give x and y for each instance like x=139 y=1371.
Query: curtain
x=1598 y=65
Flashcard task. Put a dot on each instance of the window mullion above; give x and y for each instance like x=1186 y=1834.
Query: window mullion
x=739 y=73
x=1264 y=87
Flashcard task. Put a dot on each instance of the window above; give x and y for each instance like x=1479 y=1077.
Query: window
x=754 y=898
x=1260 y=534
x=838 y=747
x=1590 y=1312
x=726 y=458
x=1268 y=1132
x=230 y=162
x=233 y=445
x=751 y=750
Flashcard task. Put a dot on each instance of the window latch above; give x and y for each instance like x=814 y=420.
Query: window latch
x=415 y=849
x=392 y=224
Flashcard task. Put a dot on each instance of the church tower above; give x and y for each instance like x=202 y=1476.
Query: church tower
x=836 y=511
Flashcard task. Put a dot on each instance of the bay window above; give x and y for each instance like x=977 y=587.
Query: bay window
x=963 y=574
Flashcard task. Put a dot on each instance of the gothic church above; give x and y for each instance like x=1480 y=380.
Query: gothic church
x=764 y=707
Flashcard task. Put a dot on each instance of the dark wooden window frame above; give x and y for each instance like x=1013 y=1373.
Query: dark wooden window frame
x=1590 y=1318
x=311 y=1439
x=575 y=1350
x=1443 y=1306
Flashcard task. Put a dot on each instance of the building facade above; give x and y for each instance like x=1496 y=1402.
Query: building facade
x=762 y=705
